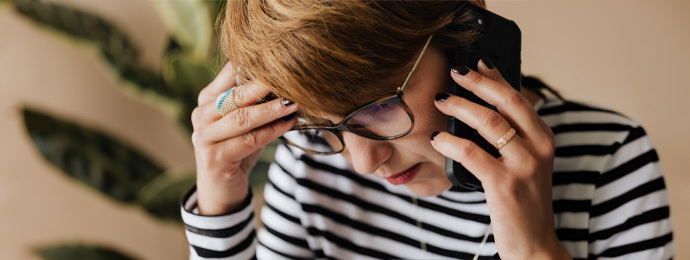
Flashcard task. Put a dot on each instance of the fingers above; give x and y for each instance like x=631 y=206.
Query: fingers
x=247 y=143
x=511 y=104
x=204 y=115
x=487 y=68
x=244 y=119
x=489 y=123
x=480 y=163
x=223 y=81
x=249 y=94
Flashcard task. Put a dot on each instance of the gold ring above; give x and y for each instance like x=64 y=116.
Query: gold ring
x=225 y=103
x=505 y=139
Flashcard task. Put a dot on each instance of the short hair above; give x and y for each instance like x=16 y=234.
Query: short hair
x=332 y=57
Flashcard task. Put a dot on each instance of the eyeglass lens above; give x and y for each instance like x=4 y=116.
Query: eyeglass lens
x=381 y=120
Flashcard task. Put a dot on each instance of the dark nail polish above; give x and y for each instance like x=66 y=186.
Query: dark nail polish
x=488 y=63
x=461 y=70
x=288 y=117
x=441 y=97
x=287 y=102
x=434 y=134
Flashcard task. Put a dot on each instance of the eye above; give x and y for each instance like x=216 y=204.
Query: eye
x=356 y=126
x=380 y=108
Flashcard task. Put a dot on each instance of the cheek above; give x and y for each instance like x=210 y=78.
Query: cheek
x=429 y=119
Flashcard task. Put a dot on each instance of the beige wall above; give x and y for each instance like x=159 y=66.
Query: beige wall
x=628 y=55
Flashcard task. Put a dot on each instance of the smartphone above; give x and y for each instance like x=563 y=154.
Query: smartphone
x=500 y=41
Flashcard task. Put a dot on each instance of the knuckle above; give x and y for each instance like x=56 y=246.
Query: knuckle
x=278 y=105
x=196 y=138
x=548 y=148
x=531 y=163
x=274 y=129
x=476 y=78
x=210 y=157
x=202 y=93
x=467 y=150
x=515 y=98
x=250 y=139
x=492 y=120
x=217 y=155
x=206 y=156
x=196 y=117
x=239 y=95
x=550 y=135
x=240 y=119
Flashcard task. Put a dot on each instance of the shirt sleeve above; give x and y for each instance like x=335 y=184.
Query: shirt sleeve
x=233 y=236
x=226 y=236
x=629 y=216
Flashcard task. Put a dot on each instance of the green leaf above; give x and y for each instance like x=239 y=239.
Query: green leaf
x=78 y=252
x=162 y=197
x=113 y=44
x=185 y=78
x=190 y=23
x=217 y=9
x=89 y=156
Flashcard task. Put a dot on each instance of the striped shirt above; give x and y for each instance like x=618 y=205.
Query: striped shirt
x=609 y=201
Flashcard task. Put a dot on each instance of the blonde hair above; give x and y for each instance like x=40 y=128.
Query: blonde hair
x=332 y=57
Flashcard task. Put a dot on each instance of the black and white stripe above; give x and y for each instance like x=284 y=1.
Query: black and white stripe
x=609 y=200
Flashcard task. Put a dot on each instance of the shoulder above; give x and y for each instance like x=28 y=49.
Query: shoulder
x=599 y=150
x=566 y=116
x=583 y=129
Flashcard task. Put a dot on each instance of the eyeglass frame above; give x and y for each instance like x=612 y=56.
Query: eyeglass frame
x=341 y=126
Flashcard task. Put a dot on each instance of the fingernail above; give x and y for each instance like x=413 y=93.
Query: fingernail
x=488 y=63
x=434 y=134
x=460 y=70
x=288 y=117
x=287 y=102
x=441 y=97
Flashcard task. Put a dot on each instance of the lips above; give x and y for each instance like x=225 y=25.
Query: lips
x=405 y=176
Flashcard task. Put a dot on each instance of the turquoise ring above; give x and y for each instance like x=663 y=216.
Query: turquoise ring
x=225 y=103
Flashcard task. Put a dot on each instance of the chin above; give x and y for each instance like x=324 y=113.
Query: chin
x=430 y=188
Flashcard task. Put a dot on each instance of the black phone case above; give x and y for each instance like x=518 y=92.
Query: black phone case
x=499 y=41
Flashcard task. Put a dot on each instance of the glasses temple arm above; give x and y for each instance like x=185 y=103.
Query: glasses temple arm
x=414 y=67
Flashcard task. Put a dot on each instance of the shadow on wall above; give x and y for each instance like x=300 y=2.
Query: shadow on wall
x=101 y=161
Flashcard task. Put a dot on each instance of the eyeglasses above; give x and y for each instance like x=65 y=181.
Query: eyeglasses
x=385 y=119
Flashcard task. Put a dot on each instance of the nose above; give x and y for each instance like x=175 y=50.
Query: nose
x=366 y=155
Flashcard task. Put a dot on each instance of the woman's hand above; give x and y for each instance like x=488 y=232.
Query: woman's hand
x=227 y=148
x=517 y=184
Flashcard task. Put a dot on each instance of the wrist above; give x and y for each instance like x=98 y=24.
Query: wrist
x=553 y=251
x=221 y=200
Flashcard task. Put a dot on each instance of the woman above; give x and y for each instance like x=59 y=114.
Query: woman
x=573 y=181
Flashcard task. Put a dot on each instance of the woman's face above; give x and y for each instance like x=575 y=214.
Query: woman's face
x=410 y=160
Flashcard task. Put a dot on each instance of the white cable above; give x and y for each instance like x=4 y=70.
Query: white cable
x=481 y=246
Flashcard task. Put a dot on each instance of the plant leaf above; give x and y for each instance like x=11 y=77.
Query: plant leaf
x=161 y=198
x=89 y=156
x=114 y=45
x=78 y=252
x=185 y=78
x=190 y=23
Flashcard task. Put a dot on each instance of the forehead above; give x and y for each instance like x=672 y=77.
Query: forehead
x=431 y=66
